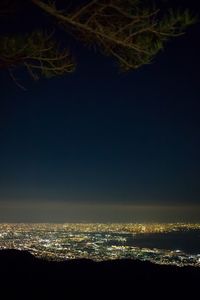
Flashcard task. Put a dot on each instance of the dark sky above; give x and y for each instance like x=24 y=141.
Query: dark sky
x=100 y=145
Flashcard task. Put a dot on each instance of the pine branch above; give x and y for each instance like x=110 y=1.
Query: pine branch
x=121 y=28
x=38 y=53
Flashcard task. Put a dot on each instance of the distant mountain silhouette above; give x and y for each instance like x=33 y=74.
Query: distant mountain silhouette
x=23 y=276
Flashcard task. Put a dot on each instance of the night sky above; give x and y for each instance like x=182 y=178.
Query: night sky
x=100 y=145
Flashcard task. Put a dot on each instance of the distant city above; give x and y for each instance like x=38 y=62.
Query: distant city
x=106 y=241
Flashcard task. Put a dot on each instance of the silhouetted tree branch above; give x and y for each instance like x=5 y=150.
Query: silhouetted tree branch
x=124 y=29
x=127 y=30
x=38 y=53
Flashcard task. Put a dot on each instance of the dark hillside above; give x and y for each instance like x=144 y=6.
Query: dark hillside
x=24 y=276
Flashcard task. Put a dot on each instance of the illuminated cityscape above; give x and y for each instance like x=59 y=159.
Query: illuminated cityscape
x=98 y=241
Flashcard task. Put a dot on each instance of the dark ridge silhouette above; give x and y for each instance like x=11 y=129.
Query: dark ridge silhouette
x=23 y=276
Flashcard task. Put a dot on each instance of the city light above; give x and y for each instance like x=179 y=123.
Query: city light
x=94 y=241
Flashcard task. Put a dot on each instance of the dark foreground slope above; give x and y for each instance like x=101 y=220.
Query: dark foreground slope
x=22 y=276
